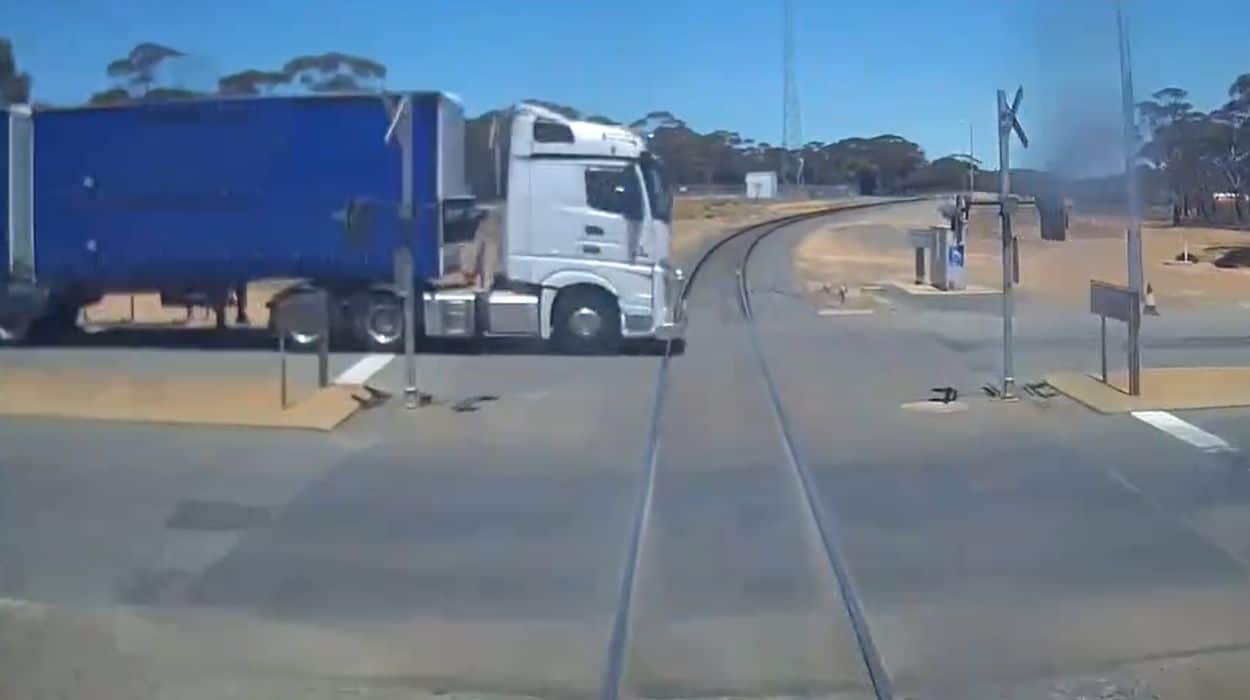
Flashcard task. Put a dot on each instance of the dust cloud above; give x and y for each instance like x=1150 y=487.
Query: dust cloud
x=1076 y=92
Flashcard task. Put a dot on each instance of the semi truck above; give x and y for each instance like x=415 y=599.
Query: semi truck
x=193 y=199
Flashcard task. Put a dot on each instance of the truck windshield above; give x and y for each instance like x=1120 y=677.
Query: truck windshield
x=658 y=193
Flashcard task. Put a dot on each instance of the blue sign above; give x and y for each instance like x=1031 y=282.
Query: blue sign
x=955 y=256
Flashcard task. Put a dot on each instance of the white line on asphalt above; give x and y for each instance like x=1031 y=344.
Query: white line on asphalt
x=1186 y=432
x=364 y=368
x=845 y=312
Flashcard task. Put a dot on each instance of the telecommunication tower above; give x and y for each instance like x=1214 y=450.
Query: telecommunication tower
x=792 y=124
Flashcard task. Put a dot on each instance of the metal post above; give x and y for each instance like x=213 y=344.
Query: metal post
x=282 y=363
x=972 y=164
x=411 y=398
x=1133 y=244
x=1134 y=357
x=1128 y=107
x=402 y=266
x=132 y=308
x=1134 y=348
x=406 y=286
x=323 y=344
x=1004 y=194
x=1103 y=335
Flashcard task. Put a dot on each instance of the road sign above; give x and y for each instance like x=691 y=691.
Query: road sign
x=1113 y=301
x=1008 y=116
x=1121 y=303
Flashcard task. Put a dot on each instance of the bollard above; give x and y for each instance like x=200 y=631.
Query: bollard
x=282 y=366
x=305 y=312
x=323 y=348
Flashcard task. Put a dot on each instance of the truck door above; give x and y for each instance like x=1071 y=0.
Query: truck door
x=612 y=215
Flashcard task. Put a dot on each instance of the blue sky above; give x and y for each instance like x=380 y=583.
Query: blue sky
x=921 y=69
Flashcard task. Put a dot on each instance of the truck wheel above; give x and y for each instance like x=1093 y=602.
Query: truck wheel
x=380 y=322
x=586 y=321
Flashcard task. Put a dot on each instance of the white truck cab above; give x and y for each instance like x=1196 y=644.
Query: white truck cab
x=583 y=243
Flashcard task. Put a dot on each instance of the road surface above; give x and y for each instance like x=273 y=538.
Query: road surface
x=1027 y=550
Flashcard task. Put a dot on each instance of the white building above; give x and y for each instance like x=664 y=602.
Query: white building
x=762 y=185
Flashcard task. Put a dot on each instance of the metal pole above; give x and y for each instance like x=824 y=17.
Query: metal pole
x=972 y=164
x=323 y=343
x=1133 y=244
x=1134 y=356
x=405 y=283
x=402 y=264
x=1103 y=334
x=282 y=362
x=1133 y=239
x=1004 y=195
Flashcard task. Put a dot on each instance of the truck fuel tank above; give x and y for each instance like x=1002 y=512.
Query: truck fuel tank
x=464 y=313
x=510 y=313
x=449 y=313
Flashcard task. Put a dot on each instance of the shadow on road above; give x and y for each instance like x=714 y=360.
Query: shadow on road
x=252 y=339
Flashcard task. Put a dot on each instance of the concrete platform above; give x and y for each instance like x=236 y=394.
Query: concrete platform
x=909 y=287
x=100 y=395
x=1161 y=388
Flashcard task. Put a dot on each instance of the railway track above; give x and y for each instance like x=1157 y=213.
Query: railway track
x=746 y=240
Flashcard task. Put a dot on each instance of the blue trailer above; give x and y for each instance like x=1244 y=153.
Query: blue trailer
x=199 y=196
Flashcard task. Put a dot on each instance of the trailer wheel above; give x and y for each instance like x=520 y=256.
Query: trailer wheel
x=61 y=321
x=379 y=322
x=586 y=320
x=303 y=341
x=14 y=331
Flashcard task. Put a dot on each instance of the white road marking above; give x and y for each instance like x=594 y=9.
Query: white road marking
x=364 y=368
x=1186 y=432
x=845 y=312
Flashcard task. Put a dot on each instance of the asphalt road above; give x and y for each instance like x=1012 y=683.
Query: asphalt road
x=1026 y=550
x=1013 y=548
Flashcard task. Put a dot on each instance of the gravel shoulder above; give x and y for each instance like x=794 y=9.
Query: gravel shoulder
x=867 y=252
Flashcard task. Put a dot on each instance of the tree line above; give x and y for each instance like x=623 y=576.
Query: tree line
x=1202 y=158
x=880 y=163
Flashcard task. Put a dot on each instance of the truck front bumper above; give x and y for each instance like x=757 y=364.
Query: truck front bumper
x=663 y=317
x=672 y=323
x=671 y=330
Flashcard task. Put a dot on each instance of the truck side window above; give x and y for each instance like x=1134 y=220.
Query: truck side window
x=550 y=132
x=608 y=190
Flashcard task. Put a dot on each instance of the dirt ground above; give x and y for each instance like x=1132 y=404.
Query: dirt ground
x=1056 y=271
x=115 y=309
x=697 y=221
x=104 y=395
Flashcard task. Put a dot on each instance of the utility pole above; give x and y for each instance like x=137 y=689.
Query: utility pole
x=1133 y=238
x=1007 y=123
x=1136 y=275
x=972 y=165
